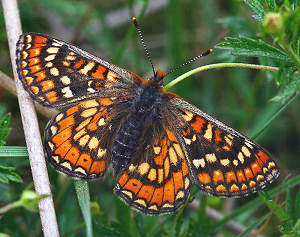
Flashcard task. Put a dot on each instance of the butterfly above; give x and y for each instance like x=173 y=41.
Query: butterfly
x=157 y=143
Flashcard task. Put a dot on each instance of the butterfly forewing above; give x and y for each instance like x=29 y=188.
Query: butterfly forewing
x=56 y=73
x=222 y=161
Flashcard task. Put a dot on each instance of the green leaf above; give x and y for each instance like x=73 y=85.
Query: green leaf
x=106 y=230
x=297 y=206
x=244 y=46
x=83 y=195
x=4 y=129
x=254 y=225
x=271 y=5
x=288 y=90
x=8 y=174
x=285 y=74
x=289 y=204
x=13 y=151
x=286 y=226
x=274 y=206
x=257 y=8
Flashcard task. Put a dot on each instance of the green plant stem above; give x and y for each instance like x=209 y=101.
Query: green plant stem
x=218 y=65
x=10 y=206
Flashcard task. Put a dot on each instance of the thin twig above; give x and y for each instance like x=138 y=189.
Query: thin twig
x=8 y=84
x=31 y=128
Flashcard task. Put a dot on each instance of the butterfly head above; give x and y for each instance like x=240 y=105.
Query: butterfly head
x=158 y=77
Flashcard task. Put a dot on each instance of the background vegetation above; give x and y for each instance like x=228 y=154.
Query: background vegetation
x=252 y=101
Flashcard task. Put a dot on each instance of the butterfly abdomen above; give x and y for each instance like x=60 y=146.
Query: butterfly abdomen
x=126 y=142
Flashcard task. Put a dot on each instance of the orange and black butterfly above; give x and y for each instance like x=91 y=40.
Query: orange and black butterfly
x=157 y=143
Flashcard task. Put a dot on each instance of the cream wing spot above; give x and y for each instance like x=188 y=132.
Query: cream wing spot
x=91 y=90
x=70 y=58
x=187 y=141
x=50 y=57
x=235 y=162
x=188 y=116
x=179 y=195
x=228 y=140
x=52 y=50
x=59 y=117
x=199 y=162
x=56 y=44
x=167 y=205
x=248 y=145
x=140 y=202
x=56 y=159
x=28 y=38
x=24 y=54
x=84 y=140
x=127 y=193
x=101 y=152
x=89 y=104
x=143 y=168
x=88 y=112
x=132 y=167
x=211 y=158
x=80 y=170
x=65 y=80
x=67 y=92
x=53 y=130
x=28 y=46
x=67 y=165
x=156 y=149
x=152 y=174
x=186 y=183
x=49 y=64
x=94 y=142
x=173 y=156
x=246 y=151
x=87 y=68
x=271 y=165
x=225 y=162
x=51 y=145
x=153 y=207
x=208 y=132
x=54 y=71
x=111 y=76
x=101 y=122
x=241 y=157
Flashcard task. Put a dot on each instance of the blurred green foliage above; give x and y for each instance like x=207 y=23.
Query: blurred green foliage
x=246 y=99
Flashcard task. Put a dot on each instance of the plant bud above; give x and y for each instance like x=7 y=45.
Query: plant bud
x=273 y=23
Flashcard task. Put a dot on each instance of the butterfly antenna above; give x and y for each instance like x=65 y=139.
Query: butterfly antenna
x=209 y=51
x=143 y=42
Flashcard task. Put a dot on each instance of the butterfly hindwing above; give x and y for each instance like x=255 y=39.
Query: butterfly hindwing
x=56 y=73
x=222 y=161
x=159 y=184
x=78 y=140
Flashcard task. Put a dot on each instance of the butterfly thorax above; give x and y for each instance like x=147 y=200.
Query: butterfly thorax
x=145 y=109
